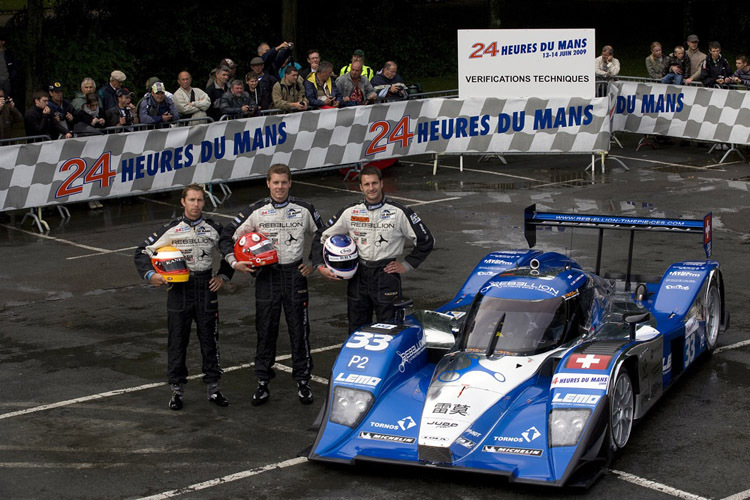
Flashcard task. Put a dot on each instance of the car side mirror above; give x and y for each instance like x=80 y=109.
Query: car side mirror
x=634 y=319
x=438 y=329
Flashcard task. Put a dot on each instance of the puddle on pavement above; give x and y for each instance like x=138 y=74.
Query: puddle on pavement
x=676 y=169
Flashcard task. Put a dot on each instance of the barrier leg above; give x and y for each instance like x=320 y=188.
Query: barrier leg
x=209 y=189
x=732 y=149
x=645 y=141
x=613 y=138
x=63 y=211
x=460 y=163
x=435 y=165
x=36 y=219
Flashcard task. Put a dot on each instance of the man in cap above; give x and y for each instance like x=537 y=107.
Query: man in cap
x=124 y=114
x=358 y=55
x=62 y=111
x=191 y=102
x=157 y=108
x=696 y=59
x=265 y=83
x=108 y=93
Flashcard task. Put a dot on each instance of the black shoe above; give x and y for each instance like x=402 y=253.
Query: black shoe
x=262 y=393
x=218 y=399
x=175 y=402
x=304 y=392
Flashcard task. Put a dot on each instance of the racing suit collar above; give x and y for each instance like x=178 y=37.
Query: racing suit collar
x=191 y=222
x=375 y=206
x=279 y=204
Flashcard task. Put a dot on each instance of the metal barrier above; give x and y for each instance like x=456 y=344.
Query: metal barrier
x=24 y=140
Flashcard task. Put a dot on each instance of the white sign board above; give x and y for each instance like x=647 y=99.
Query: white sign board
x=526 y=63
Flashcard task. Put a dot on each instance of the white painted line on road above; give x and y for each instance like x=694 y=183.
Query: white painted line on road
x=57 y=465
x=139 y=388
x=502 y=174
x=742 y=495
x=656 y=486
x=226 y=479
x=289 y=369
x=100 y=253
x=732 y=346
x=59 y=240
x=434 y=201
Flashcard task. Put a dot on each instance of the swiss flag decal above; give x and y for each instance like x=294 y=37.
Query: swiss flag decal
x=588 y=361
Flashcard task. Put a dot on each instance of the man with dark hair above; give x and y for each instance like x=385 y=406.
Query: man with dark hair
x=236 y=102
x=193 y=300
x=287 y=222
x=388 y=83
x=379 y=226
x=313 y=60
x=742 y=75
x=320 y=89
x=266 y=82
x=677 y=67
x=607 y=65
x=715 y=69
x=289 y=94
x=274 y=58
x=39 y=120
x=216 y=90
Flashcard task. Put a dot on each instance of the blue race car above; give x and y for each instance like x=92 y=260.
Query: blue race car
x=536 y=370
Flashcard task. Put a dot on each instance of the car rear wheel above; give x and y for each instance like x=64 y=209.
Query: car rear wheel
x=622 y=404
x=713 y=315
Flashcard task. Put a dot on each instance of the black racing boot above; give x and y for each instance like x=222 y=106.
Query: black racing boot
x=262 y=393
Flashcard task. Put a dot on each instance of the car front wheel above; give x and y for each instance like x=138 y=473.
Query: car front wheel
x=622 y=405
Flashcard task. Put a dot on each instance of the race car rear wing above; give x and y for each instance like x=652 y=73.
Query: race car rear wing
x=532 y=218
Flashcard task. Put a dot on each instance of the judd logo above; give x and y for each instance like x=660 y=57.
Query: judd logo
x=588 y=361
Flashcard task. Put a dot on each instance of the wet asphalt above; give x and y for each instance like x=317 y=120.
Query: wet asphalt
x=83 y=404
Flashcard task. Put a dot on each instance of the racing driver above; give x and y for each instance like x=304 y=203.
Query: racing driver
x=379 y=226
x=194 y=300
x=286 y=221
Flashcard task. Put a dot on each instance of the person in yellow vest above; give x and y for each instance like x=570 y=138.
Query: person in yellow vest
x=358 y=55
x=320 y=90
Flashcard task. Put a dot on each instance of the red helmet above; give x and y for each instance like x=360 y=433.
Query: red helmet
x=170 y=263
x=255 y=249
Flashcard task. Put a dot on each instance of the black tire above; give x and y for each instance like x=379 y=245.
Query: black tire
x=712 y=308
x=621 y=410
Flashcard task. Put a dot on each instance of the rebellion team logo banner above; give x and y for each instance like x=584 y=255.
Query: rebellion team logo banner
x=80 y=169
x=707 y=114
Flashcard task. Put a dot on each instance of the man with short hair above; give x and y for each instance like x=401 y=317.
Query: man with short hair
x=251 y=87
x=287 y=222
x=742 y=75
x=62 y=111
x=191 y=102
x=265 y=83
x=320 y=89
x=677 y=67
x=388 y=83
x=8 y=115
x=313 y=60
x=236 y=102
x=108 y=93
x=606 y=65
x=216 y=90
x=88 y=86
x=358 y=55
x=289 y=94
x=157 y=108
x=715 y=69
x=192 y=301
x=125 y=113
x=696 y=59
x=273 y=58
x=379 y=226
x=355 y=88
x=38 y=119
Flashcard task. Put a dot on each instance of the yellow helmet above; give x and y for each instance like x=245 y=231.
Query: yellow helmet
x=170 y=263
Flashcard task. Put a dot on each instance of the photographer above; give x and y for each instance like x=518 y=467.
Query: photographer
x=157 y=108
x=289 y=94
x=388 y=84
x=61 y=108
x=8 y=116
x=274 y=58
x=124 y=114
x=90 y=119
x=39 y=119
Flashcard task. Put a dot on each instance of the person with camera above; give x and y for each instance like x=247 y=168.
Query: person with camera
x=274 y=58
x=388 y=83
x=157 y=108
x=90 y=120
x=320 y=88
x=355 y=88
x=62 y=111
x=289 y=94
x=8 y=115
x=124 y=114
x=39 y=120
x=237 y=103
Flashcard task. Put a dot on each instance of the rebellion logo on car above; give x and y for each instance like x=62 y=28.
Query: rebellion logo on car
x=386 y=437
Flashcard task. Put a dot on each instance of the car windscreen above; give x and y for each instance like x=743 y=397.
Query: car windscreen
x=497 y=326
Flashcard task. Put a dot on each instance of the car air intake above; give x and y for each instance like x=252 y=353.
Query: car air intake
x=435 y=454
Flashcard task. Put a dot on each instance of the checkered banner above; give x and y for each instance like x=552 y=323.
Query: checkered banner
x=80 y=169
x=689 y=112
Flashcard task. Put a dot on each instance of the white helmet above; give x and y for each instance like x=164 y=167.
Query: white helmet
x=340 y=256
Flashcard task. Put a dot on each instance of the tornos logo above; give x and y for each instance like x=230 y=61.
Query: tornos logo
x=528 y=436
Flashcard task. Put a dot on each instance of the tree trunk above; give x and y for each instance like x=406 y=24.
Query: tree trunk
x=495 y=10
x=33 y=49
x=289 y=22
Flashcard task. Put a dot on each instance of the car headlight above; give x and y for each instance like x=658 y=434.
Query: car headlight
x=566 y=426
x=350 y=405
